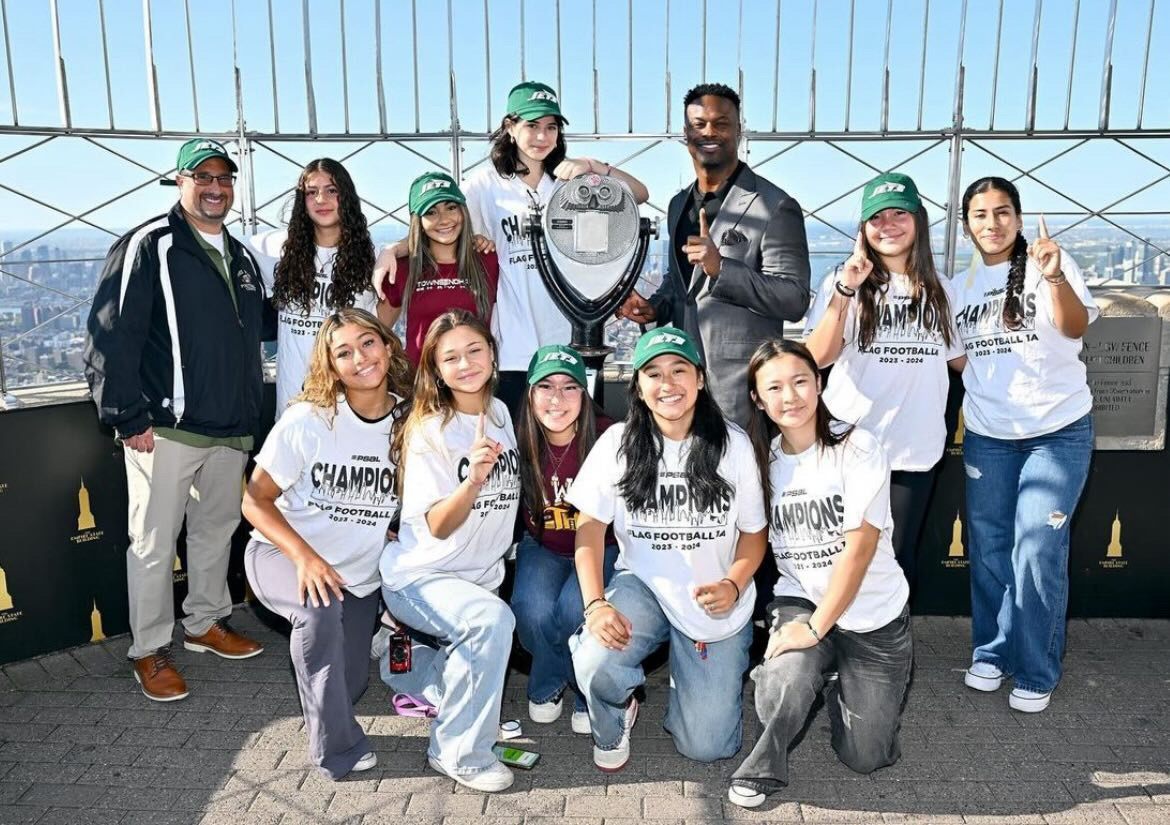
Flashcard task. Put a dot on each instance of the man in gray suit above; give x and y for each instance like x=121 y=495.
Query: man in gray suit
x=739 y=267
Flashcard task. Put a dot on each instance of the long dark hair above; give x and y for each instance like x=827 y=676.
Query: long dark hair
x=927 y=295
x=642 y=447
x=505 y=154
x=763 y=430
x=534 y=446
x=1013 y=309
x=296 y=273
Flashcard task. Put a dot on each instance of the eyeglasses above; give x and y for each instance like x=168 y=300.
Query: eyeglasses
x=547 y=392
x=205 y=179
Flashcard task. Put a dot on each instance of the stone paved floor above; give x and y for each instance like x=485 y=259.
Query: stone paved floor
x=79 y=744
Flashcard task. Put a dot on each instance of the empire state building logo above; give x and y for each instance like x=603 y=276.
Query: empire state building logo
x=84 y=514
x=956 y=553
x=1113 y=552
x=86 y=524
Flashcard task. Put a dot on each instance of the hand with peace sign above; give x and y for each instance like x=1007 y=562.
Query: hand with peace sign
x=484 y=454
x=701 y=250
x=1045 y=252
x=858 y=266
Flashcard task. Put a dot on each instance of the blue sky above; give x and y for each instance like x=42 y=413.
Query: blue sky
x=78 y=175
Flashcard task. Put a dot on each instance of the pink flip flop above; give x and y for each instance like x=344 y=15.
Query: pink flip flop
x=407 y=705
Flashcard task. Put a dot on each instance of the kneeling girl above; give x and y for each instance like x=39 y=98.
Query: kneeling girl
x=841 y=601
x=313 y=557
x=460 y=488
x=680 y=486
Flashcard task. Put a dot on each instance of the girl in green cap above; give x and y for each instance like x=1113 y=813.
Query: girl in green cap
x=442 y=269
x=555 y=431
x=884 y=322
x=528 y=155
x=680 y=486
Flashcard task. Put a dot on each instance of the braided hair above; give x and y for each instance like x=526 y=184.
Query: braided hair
x=1013 y=310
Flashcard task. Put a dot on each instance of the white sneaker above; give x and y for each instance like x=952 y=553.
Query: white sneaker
x=365 y=763
x=545 y=713
x=745 y=796
x=1027 y=701
x=983 y=676
x=490 y=780
x=580 y=722
x=615 y=759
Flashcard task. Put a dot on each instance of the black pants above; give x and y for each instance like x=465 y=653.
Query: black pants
x=910 y=494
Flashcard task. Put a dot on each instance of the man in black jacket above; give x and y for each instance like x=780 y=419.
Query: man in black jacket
x=173 y=362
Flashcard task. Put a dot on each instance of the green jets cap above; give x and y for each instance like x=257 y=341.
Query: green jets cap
x=195 y=151
x=431 y=188
x=557 y=360
x=531 y=101
x=662 y=341
x=891 y=190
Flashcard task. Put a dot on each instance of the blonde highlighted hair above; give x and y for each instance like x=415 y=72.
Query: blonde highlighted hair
x=430 y=395
x=467 y=263
x=323 y=385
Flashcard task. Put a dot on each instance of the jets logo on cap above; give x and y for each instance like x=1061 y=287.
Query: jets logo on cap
x=886 y=188
x=436 y=184
x=558 y=356
x=539 y=95
x=209 y=145
x=667 y=338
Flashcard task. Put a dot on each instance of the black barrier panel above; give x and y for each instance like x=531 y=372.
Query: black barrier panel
x=1118 y=565
x=63 y=522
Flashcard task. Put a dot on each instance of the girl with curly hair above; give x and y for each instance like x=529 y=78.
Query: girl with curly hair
x=321 y=499
x=320 y=263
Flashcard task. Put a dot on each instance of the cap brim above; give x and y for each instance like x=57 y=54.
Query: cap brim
x=668 y=350
x=427 y=203
x=538 y=113
x=890 y=202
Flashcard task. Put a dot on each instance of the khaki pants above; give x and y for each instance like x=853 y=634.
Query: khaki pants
x=204 y=485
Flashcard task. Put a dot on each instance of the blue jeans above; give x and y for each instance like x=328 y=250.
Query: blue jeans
x=864 y=704
x=546 y=600
x=1021 y=495
x=704 y=715
x=465 y=676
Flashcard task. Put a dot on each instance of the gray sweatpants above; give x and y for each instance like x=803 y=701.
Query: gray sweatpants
x=205 y=485
x=330 y=652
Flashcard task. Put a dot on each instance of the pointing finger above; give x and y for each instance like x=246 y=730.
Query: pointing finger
x=703 y=223
x=859 y=244
x=1042 y=227
x=479 y=427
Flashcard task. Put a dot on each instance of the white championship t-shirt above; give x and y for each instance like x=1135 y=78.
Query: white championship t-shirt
x=525 y=317
x=817 y=496
x=1025 y=382
x=296 y=331
x=673 y=548
x=338 y=484
x=897 y=387
x=436 y=463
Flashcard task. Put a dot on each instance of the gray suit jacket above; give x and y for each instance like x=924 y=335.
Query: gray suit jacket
x=763 y=282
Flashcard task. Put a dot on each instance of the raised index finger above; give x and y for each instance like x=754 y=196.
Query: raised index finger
x=702 y=223
x=479 y=427
x=859 y=244
x=1042 y=227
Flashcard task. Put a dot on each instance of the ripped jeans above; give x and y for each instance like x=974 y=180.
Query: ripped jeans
x=1021 y=495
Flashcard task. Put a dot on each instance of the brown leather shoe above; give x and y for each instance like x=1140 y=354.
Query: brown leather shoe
x=158 y=677
x=221 y=640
